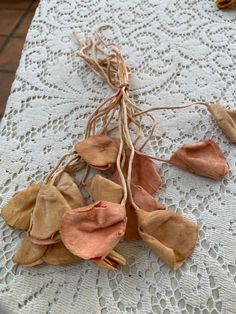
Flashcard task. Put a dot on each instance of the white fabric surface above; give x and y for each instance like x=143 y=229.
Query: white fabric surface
x=179 y=51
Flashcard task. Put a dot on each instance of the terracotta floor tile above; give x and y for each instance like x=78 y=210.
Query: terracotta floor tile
x=25 y=24
x=6 y=80
x=8 y=20
x=2 y=40
x=10 y=56
x=14 y=4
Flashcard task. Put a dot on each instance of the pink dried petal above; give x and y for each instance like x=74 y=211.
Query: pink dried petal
x=93 y=231
x=204 y=158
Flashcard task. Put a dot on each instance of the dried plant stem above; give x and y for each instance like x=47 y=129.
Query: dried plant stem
x=201 y=103
x=63 y=157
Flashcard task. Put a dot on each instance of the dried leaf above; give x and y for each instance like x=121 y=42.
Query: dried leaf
x=70 y=191
x=144 y=200
x=111 y=261
x=171 y=236
x=225 y=4
x=57 y=254
x=16 y=212
x=99 y=151
x=144 y=173
x=29 y=254
x=46 y=217
x=94 y=230
x=131 y=232
x=226 y=119
x=101 y=188
x=204 y=158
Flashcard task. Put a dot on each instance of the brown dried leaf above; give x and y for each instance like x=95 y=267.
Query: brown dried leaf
x=99 y=151
x=94 y=230
x=70 y=191
x=171 y=236
x=204 y=158
x=57 y=254
x=16 y=213
x=131 y=232
x=46 y=217
x=29 y=254
x=101 y=188
x=225 y=4
x=144 y=173
x=226 y=119
x=144 y=200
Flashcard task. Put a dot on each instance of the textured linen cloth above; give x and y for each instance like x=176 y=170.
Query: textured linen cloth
x=178 y=51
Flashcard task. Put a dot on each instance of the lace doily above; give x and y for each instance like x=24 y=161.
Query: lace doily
x=178 y=51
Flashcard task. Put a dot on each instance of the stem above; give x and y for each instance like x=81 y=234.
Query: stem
x=201 y=103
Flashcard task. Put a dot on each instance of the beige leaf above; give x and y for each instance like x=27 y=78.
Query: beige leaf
x=171 y=236
x=101 y=188
x=29 y=254
x=48 y=211
x=57 y=254
x=226 y=120
x=16 y=212
x=70 y=191
x=99 y=151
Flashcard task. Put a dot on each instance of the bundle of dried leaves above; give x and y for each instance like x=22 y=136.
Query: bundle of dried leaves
x=63 y=228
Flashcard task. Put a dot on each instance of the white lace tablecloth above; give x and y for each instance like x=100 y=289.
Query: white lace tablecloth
x=179 y=51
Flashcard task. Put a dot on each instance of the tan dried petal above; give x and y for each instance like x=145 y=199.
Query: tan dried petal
x=111 y=261
x=99 y=151
x=57 y=254
x=226 y=120
x=93 y=231
x=171 y=236
x=144 y=173
x=16 y=213
x=101 y=188
x=70 y=191
x=48 y=211
x=204 y=159
x=29 y=254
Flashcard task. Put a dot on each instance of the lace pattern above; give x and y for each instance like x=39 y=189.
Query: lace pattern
x=178 y=51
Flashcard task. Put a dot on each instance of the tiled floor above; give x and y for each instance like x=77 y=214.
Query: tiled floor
x=15 y=19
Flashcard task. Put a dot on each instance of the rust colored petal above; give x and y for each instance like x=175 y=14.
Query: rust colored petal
x=57 y=254
x=131 y=232
x=204 y=158
x=171 y=236
x=101 y=188
x=48 y=211
x=29 y=254
x=16 y=213
x=93 y=231
x=70 y=191
x=144 y=200
x=144 y=173
x=99 y=151
x=226 y=119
